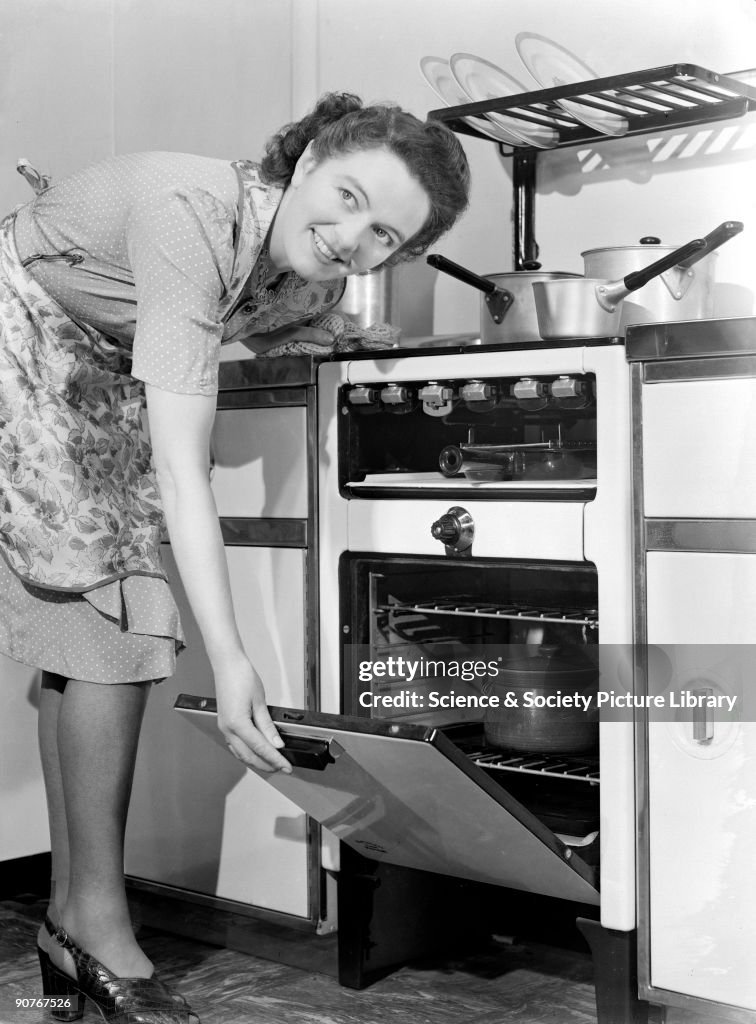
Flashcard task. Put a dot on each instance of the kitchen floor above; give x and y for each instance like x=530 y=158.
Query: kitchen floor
x=508 y=983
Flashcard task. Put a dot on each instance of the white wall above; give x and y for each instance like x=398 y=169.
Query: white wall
x=79 y=81
x=673 y=185
x=83 y=79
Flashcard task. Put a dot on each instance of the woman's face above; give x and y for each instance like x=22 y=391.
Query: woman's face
x=346 y=214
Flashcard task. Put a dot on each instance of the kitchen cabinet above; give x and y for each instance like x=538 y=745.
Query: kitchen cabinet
x=23 y=811
x=693 y=390
x=201 y=827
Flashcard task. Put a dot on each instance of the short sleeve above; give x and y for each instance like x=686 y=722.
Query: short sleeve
x=180 y=247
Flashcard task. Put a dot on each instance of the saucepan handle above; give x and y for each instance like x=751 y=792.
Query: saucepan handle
x=713 y=240
x=609 y=293
x=461 y=273
x=637 y=279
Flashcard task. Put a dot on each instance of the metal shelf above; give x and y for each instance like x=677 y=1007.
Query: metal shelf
x=467 y=607
x=660 y=98
x=579 y=769
x=673 y=96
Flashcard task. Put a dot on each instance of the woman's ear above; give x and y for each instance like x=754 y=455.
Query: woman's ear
x=303 y=166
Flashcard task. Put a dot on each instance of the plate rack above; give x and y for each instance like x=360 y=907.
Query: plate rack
x=657 y=99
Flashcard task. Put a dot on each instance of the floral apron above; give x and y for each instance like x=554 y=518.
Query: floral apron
x=79 y=505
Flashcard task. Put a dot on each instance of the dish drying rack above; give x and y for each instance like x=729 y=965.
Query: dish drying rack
x=673 y=96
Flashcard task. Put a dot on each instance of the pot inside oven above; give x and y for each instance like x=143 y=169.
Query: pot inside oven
x=447 y=633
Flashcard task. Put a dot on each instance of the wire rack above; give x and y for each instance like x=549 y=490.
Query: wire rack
x=658 y=98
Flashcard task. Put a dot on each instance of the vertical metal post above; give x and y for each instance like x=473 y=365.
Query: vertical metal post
x=524 y=187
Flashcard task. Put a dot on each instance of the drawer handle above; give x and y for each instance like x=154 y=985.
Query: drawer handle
x=703 y=726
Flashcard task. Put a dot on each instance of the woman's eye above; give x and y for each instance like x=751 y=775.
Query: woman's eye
x=346 y=195
x=383 y=236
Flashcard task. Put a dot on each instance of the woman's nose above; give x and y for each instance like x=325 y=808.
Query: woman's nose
x=352 y=235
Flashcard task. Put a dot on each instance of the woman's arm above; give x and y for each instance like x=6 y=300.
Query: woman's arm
x=180 y=428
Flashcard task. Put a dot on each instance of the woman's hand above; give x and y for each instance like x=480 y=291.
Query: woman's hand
x=244 y=720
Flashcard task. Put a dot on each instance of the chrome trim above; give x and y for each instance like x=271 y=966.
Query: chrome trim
x=639 y=674
x=273 y=398
x=685 y=339
x=736 y=535
x=718 y=368
x=265 y=533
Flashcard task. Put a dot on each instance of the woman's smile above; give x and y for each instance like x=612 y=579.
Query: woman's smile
x=322 y=248
x=346 y=214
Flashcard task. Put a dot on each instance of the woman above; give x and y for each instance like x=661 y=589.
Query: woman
x=117 y=286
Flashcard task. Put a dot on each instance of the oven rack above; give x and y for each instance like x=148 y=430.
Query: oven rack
x=466 y=606
x=671 y=96
x=553 y=766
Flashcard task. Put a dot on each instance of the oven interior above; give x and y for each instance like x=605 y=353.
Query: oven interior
x=441 y=615
x=540 y=428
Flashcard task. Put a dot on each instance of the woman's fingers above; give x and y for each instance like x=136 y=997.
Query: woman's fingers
x=255 y=749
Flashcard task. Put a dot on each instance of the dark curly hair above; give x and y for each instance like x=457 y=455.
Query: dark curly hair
x=341 y=124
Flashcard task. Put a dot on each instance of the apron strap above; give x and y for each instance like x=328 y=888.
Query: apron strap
x=39 y=182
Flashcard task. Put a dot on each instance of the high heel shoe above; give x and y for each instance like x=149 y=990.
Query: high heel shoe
x=119 y=1000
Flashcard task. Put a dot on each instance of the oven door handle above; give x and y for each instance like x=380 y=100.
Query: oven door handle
x=302 y=752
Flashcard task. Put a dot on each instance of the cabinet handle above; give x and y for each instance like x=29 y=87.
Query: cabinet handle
x=703 y=726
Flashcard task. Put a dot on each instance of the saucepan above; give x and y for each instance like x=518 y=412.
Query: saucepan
x=589 y=307
x=507 y=306
x=684 y=292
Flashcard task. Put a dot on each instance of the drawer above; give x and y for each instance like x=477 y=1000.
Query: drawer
x=699 y=449
x=260 y=462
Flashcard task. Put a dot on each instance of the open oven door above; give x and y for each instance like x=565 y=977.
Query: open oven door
x=404 y=794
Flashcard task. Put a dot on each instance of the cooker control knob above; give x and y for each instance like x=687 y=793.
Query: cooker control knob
x=477 y=391
x=437 y=399
x=395 y=394
x=455 y=529
x=436 y=394
x=528 y=388
x=363 y=396
x=567 y=387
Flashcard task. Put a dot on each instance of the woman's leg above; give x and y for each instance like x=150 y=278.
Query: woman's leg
x=50 y=699
x=97 y=734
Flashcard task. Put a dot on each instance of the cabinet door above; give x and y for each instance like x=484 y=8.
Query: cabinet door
x=699 y=449
x=23 y=811
x=702 y=790
x=260 y=462
x=199 y=820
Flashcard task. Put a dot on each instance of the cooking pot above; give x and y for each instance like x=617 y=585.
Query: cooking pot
x=532 y=675
x=369 y=298
x=680 y=293
x=592 y=307
x=507 y=307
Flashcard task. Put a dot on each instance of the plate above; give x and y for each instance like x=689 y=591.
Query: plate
x=482 y=80
x=438 y=75
x=552 y=65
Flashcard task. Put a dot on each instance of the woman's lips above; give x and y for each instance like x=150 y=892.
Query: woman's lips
x=323 y=250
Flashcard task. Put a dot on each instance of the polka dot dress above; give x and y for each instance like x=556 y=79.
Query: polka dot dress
x=67 y=634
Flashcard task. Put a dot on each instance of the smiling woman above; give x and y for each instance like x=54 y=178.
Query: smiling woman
x=346 y=214
x=118 y=286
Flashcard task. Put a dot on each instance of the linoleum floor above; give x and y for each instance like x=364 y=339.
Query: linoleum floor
x=508 y=983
